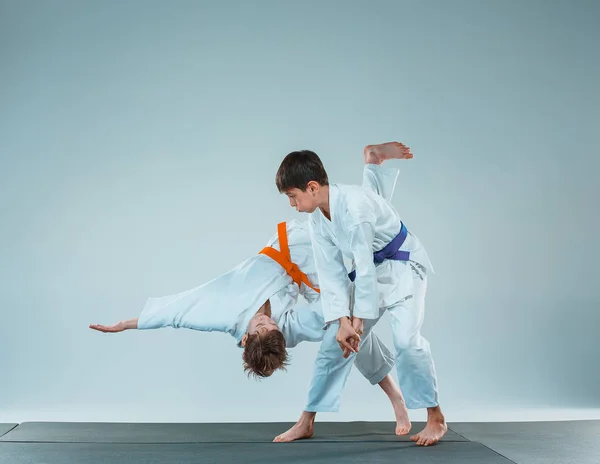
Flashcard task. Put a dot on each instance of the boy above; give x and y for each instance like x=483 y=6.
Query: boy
x=255 y=303
x=390 y=271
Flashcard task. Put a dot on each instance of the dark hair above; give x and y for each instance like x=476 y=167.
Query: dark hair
x=265 y=353
x=298 y=168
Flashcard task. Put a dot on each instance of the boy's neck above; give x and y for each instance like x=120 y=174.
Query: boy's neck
x=265 y=309
x=323 y=201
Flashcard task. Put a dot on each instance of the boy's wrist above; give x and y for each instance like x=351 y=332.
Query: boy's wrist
x=345 y=320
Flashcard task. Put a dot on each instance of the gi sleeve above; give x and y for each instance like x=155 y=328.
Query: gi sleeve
x=366 y=296
x=303 y=324
x=334 y=283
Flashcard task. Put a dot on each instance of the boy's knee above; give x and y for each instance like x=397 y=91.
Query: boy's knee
x=408 y=342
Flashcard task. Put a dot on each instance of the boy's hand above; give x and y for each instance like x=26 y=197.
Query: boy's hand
x=118 y=327
x=357 y=324
x=347 y=337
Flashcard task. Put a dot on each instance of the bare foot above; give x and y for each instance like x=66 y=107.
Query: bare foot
x=297 y=432
x=435 y=429
x=377 y=154
x=403 y=424
x=395 y=396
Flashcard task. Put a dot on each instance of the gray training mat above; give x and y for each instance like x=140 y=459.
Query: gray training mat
x=104 y=432
x=259 y=453
x=564 y=442
x=4 y=428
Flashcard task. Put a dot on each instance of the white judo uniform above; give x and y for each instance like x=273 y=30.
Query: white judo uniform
x=228 y=302
x=363 y=222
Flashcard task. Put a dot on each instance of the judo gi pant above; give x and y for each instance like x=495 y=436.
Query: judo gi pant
x=374 y=361
x=414 y=364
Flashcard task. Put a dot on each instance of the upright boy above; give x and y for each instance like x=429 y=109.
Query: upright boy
x=391 y=267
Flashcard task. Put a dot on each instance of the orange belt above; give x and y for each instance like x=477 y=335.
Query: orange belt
x=285 y=260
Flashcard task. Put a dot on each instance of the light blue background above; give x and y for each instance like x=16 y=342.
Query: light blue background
x=139 y=142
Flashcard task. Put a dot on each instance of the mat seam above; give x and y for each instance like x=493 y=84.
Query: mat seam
x=484 y=445
x=10 y=430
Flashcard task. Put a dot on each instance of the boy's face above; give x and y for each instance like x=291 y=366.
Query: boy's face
x=259 y=324
x=303 y=201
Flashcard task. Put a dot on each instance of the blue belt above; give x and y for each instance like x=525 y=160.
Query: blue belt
x=390 y=251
